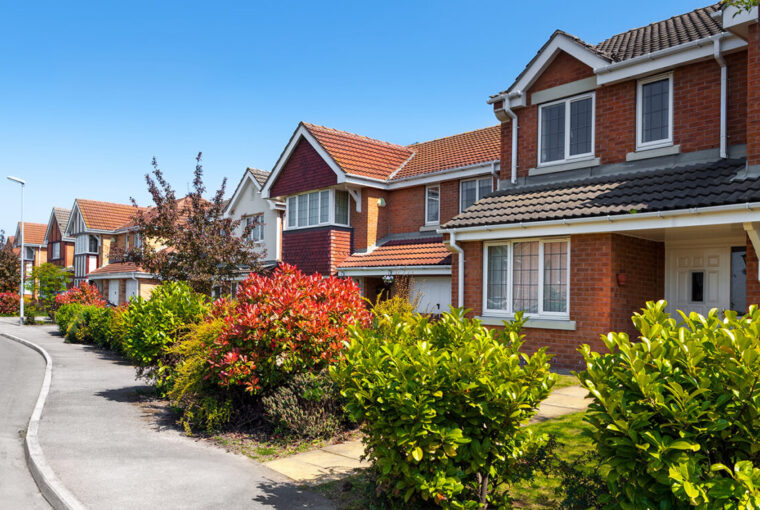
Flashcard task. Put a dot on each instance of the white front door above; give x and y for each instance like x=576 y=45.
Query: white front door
x=698 y=279
x=113 y=291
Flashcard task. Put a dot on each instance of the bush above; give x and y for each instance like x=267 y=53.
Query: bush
x=308 y=406
x=84 y=294
x=395 y=306
x=47 y=280
x=91 y=325
x=31 y=311
x=283 y=325
x=65 y=315
x=9 y=303
x=676 y=416
x=118 y=329
x=443 y=406
x=152 y=326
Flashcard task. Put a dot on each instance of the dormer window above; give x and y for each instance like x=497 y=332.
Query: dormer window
x=566 y=130
x=654 y=112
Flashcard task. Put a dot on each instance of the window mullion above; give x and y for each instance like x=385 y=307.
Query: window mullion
x=331 y=208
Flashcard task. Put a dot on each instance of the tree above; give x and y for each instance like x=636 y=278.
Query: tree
x=48 y=280
x=10 y=266
x=190 y=239
x=745 y=5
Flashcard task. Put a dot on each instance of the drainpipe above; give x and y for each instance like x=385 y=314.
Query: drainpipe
x=723 y=95
x=460 y=268
x=495 y=174
x=515 y=126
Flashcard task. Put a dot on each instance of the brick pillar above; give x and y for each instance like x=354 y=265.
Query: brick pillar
x=753 y=95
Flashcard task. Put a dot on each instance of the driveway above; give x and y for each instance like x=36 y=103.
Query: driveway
x=109 y=455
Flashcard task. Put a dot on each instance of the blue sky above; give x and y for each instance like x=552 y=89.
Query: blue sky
x=90 y=92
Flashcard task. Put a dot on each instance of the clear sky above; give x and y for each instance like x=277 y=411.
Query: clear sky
x=91 y=91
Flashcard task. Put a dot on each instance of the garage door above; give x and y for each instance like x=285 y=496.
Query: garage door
x=433 y=293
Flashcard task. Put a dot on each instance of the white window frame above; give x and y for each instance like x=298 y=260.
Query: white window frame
x=427 y=218
x=56 y=247
x=568 y=101
x=509 y=312
x=26 y=253
x=97 y=243
x=666 y=142
x=258 y=219
x=330 y=210
x=477 y=188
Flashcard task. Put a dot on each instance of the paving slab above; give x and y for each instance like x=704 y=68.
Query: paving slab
x=109 y=455
x=317 y=466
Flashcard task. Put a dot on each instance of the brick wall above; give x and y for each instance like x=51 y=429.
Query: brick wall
x=406 y=210
x=753 y=285
x=696 y=111
x=753 y=95
x=340 y=247
x=305 y=170
x=371 y=224
x=597 y=303
x=316 y=250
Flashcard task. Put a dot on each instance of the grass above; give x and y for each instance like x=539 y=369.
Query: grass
x=563 y=381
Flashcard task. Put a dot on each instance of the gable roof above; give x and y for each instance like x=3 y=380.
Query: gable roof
x=104 y=215
x=34 y=233
x=60 y=217
x=260 y=176
x=684 y=187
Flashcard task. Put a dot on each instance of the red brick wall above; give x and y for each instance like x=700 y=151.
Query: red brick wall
x=304 y=171
x=597 y=304
x=753 y=95
x=371 y=224
x=753 y=285
x=696 y=111
x=340 y=247
x=406 y=210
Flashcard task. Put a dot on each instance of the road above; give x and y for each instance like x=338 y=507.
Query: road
x=21 y=373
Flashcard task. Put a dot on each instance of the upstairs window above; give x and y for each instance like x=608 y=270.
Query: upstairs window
x=432 y=205
x=28 y=253
x=318 y=208
x=654 y=112
x=92 y=246
x=257 y=230
x=472 y=190
x=136 y=240
x=56 y=251
x=566 y=130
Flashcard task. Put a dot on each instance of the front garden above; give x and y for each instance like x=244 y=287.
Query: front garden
x=443 y=405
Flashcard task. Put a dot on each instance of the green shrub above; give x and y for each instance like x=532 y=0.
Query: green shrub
x=308 y=406
x=31 y=311
x=443 y=406
x=90 y=325
x=395 y=306
x=118 y=329
x=64 y=315
x=152 y=326
x=202 y=403
x=676 y=415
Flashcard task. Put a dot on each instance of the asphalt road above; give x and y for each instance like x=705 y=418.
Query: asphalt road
x=108 y=454
x=21 y=373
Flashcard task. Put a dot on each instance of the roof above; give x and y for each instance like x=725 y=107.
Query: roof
x=34 y=233
x=62 y=218
x=261 y=176
x=359 y=155
x=683 y=187
x=105 y=215
x=117 y=267
x=411 y=252
x=679 y=29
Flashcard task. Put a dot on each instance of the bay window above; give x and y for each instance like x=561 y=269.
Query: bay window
x=654 y=112
x=531 y=276
x=566 y=130
x=318 y=208
x=432 y=205
x=472 y=190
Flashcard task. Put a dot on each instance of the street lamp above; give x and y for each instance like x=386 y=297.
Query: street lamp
x=21 y=250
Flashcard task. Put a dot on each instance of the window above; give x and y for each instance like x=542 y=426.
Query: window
x=697 y=286
x=257 y=230
x=566 y=129
x=137 y=240
x=126 y=241
x=473 y=190
x=312 y=209
x=530 y=276
x=28 y=253
x=432 y=205
x=654 y=112
x=92 y=244
x=56 y=251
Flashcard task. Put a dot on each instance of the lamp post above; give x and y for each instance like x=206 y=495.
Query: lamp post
x=21 y=250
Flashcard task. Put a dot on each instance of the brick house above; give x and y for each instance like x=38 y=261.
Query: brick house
x=630 y=171
x=34 y=249
x=370 y=210
x=60 y=248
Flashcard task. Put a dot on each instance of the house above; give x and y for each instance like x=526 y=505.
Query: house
x=34 y=249
x=265 y=216
x=630 y=171
x=370 y=209
x=60 y=249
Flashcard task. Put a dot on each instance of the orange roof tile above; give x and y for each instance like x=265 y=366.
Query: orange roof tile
x=117 y=267
x=34 y=233
x=473 y=147
x=359 y=155
x=414 y=252
x=104 y=215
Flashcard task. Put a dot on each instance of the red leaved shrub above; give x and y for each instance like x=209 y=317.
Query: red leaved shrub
x=9 y=303
x=84 y=294
x=284 y=324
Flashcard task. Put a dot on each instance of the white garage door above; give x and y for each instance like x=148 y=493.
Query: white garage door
x=434 y=293
x=113 y=291
x=132 y=288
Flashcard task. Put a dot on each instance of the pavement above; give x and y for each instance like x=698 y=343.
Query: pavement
x=21 y=374
x=339 y=460
x=108 y=454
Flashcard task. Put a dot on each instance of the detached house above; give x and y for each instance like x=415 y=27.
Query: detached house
x=60 y=248
x=630 y=171
x=370 y=210
x=34 y=249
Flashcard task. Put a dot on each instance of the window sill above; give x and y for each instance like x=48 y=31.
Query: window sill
x=430 y=228
x=564 y=167
x=654 y=152
x=534 y=323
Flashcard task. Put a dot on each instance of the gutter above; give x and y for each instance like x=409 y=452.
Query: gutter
x=723 y=94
